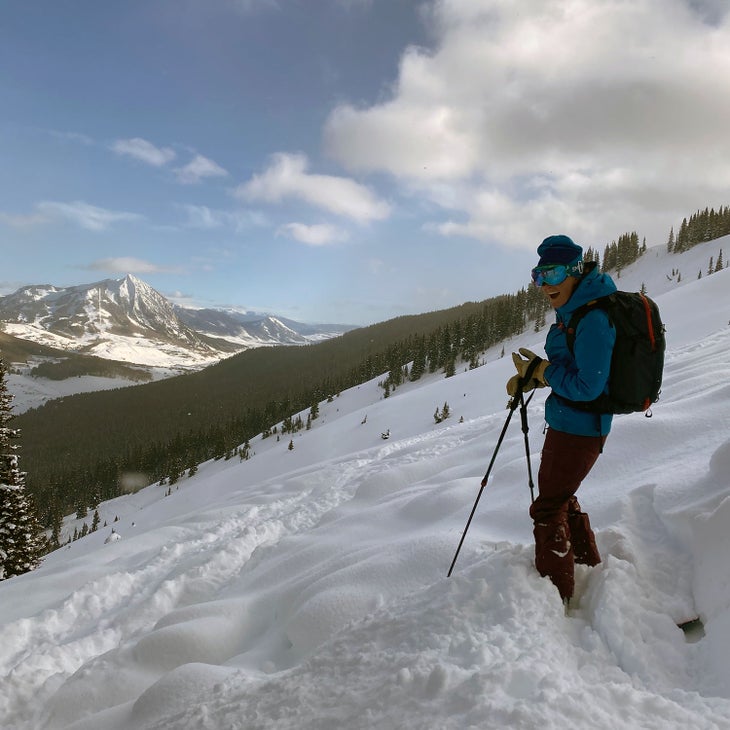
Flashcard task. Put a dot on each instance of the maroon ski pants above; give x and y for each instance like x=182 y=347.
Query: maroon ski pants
x=563 y=534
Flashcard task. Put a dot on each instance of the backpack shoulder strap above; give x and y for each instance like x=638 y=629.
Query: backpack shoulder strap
x=602 y=303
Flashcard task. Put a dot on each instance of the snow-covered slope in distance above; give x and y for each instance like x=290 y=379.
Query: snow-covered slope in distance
x=307 y=589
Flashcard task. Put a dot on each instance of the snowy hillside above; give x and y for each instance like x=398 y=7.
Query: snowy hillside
x=306 y=589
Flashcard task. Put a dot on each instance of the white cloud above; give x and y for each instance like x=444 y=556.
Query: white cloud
x=129 y=265
x=87 y=216
x=76 y=137
x=23 y=221
x=199 y=168
x=254 y=6
x=314 y=235
x=354 y=4
x=543 y=113
x=203 y=217
x=375 y=266
x=141 y=149
x=287 y=177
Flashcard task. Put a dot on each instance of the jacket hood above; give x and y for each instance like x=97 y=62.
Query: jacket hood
x=593 y=285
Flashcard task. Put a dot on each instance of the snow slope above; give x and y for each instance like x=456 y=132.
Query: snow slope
x=30 y=391
x=307 y=589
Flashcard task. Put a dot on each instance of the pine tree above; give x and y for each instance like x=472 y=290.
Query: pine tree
x=419 y=360
x=21 y=542
x=56 y=524
x=450 y=366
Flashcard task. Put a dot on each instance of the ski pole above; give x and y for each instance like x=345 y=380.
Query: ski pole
x=514 y=402
x=512 y=407
x=525 y=430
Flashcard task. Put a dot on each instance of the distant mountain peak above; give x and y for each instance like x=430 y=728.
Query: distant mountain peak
x=126 y=319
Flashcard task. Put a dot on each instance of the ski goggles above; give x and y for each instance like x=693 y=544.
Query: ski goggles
x=554 y=274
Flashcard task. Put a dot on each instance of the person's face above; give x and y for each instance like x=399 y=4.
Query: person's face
x=558 y=294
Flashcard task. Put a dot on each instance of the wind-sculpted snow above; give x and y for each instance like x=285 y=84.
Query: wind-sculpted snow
x=306 y=589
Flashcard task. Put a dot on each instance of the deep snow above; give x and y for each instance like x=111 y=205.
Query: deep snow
x=307 y=588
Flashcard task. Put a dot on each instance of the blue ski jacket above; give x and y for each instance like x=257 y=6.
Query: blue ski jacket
x=584 y=374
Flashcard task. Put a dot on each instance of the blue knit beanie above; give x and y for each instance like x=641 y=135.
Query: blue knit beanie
x=559 y=250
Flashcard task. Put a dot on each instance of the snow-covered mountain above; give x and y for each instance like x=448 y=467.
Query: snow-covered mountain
x=129 y=321
x=249 y=329
x=306 y=588
x=100 y=319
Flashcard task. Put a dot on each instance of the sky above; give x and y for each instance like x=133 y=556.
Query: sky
x=349 y=161
x=307 y=589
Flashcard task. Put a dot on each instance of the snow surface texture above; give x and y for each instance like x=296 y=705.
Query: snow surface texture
x=307 y=589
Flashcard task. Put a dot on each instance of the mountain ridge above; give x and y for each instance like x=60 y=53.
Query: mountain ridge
x=128 y=320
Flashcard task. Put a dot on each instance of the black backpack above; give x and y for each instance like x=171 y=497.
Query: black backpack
x=637 y=362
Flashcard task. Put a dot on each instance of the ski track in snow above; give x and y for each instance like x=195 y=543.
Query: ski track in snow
x=195 y=564
x=60 y=640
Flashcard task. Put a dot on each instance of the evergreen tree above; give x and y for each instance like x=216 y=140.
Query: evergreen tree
x=21 y=543
x=450 y=366
x=419 y=360
x=56 y=523
x=540 y=321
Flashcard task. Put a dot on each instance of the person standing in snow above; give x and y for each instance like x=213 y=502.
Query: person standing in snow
x=574 y=438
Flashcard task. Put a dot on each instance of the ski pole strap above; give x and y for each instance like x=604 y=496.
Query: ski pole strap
x=532 y=366
x=517 y=397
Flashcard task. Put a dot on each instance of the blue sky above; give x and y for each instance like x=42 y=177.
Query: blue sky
x=349 y=160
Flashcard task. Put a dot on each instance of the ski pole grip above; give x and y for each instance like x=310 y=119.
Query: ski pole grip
x=533 y=365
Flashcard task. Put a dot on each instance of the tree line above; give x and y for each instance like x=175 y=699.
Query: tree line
x=704 y=225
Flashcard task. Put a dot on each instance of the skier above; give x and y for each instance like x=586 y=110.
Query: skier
x=574 y=438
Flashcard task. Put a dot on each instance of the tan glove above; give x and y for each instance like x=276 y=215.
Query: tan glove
x=537 y=378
